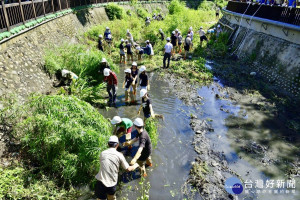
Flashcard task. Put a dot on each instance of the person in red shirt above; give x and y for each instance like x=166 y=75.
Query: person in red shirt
x=112 y=85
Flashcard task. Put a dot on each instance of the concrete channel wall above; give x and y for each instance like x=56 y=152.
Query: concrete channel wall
x=21 y=57
x=273 y=47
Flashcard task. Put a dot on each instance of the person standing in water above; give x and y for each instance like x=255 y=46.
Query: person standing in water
x=122 y=52
x=146 y=105
x=128 y=86
x=143 y=79
x=134 y=73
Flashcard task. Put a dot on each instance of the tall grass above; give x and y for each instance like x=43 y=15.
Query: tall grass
x=62 y=135
x=151 y=128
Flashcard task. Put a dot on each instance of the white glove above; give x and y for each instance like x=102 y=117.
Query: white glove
x=116 y=87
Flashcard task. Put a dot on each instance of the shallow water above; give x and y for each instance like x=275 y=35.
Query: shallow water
x=174 y=153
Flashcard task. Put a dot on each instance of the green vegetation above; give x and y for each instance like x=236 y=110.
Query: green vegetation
x=151 y=128
x=61 y=134
x=114 y=11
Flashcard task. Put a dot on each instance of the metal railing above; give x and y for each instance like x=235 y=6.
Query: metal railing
x=18 y=12
x=275 y=13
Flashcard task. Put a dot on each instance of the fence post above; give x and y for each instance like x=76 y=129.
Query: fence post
x=33 y=9
x=67 y=4
x=43 y=2
x=22 y=13
x=59 y=5
x=5 y=15
x=52 y=6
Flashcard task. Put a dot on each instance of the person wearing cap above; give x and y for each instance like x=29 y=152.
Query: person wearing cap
x=147 y=22
x=202 y=35
x=139 y=51
x=162 y=34
x=129 y=50
x=104 y=64
x=129 y=37
x=219 y=30
x=187 y=45
x=112 y=85
x=100 y=43
x=173 y=42
x=66 y=78
x=149 y=49
x=146 y=105
x=143 y=78
x=179 y=39
x=107 y=32
x=123 y=126
x=191 y=32
x=127 y=84
x=145 y=147
x=122 y=52
x=134 y=74
x=167 y=53
x=107 y=177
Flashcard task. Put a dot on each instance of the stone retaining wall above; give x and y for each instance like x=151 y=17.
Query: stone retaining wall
x=21 y=58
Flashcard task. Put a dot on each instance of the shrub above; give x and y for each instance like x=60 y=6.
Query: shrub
x=62 y=135
x=114 y=11
x=151 y=128
x=176 y=6
x=142 y=12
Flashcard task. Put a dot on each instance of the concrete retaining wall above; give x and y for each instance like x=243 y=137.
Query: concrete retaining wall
x=272 y=50
x=21 y=58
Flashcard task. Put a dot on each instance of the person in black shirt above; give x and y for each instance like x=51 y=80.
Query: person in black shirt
x=143 y=78
x=134 y=73
x=145 y=147
x=122 y=52
x=146 y=105
x=173 y=42
x=100 y=43
x=127 y=84
x=129 y=50
x=162 y=34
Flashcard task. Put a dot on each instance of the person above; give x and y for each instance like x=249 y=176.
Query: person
x=123 y=126
x=162 y=34
x=217 y=12
x=143 y=79
x=202 y=35
x=129 y=37
x=173 y=42
x=127 y=84
x=187 y=45
x=191 y=32
x=100 y=43
x=108 y=39
x=122 y=52
x=154 y=16
x=147 y=21
x=104 y=64
x=66 y=78
x=107 y=177
x=219 y=30
x=146 y=105
x=139 y=51
x=134 y=73
x=167 y=55
x=107 y=32
x=150 y=49
x=179 y=38
x=145 y=147
x=112 y=85
x=129 y=51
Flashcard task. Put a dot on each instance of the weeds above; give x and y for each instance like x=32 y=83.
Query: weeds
x=151 y=128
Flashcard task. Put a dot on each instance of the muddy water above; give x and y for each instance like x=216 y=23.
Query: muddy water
x=174 y=153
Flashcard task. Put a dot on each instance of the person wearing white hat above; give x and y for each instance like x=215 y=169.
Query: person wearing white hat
x=139 y=51
x=100 y=43
x=129 y=36
x=123 y=126
x=66 y=78
x=143 y=78
x=202 y=35
x=173 y=42
x=145 y=147
x=103 y=64
x=191 y=32
x=112 y=85
x=219 y=30
x=187 y=45
x=107 y=32
x=127 y=84
x=134 y=74
x=149 y=48
x=146 y=105
x=179 y=39
x=148 y=21
x=167 y=53
x=107 y=177
x=162 y=34
x=122 y=52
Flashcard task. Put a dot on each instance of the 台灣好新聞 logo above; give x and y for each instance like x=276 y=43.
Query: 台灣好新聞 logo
x=233 y=185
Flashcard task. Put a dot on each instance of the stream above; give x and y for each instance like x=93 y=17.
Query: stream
x=174 y=154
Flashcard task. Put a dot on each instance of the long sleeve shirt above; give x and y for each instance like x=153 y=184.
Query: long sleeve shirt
x=111 y=79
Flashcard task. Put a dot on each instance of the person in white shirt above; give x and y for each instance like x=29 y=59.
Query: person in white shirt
x=187 y=45
x=167 y=55
x=202 y=35
x=107 y=177
x=219 y=30
x=129 y=37
x=149 y=46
